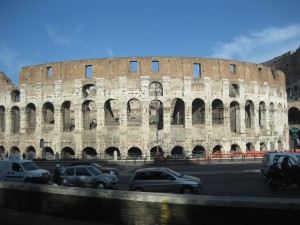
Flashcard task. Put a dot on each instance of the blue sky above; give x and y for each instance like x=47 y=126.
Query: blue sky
x=42 y=31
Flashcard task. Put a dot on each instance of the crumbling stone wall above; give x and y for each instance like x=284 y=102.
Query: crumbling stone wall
x=129 y=105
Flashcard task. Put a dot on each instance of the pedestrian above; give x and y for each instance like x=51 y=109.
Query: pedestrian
x=57 y=175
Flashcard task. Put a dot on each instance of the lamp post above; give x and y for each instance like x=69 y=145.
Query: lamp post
x=157 y=118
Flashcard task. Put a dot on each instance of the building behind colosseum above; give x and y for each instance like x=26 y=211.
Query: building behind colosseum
x=138 y=105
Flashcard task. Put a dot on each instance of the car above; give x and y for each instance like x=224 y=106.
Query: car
x=107 y=170
x=88 y=176
x=161 y=179
x=270 y=158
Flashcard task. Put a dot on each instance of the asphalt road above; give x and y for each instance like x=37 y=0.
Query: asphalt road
x=222 y=179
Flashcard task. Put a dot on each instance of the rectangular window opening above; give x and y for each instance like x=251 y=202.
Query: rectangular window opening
x=155 y=66
x=133 y=66
x=49 y=71
x=197 y=70
x=232 y=68
x=88 y=71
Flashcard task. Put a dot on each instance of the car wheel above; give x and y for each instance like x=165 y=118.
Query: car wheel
x=100 y=185
x=187 y=190
x=138 y=189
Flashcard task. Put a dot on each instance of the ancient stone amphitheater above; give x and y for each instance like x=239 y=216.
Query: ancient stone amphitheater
x=136 y=106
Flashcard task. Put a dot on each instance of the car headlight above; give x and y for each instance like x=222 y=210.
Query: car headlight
x=112 y=172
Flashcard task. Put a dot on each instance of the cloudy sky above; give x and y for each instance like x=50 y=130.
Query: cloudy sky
x=42 y=31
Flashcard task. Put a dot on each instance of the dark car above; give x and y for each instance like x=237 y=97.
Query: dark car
x=107 y=170
x=88 y=176
x=161 y=179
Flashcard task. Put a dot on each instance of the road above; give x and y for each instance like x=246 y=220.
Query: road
x=222 y=179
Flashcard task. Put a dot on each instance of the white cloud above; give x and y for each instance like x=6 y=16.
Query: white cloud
x=257 y=46
x=61 y=37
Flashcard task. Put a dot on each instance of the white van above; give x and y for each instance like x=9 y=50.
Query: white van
x=22 y=170
x=269 y=157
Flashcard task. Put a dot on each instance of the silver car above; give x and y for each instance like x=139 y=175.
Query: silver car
x=162 y=179
x=88 y=176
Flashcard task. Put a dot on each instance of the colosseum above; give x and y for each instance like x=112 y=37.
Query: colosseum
x=118 y=107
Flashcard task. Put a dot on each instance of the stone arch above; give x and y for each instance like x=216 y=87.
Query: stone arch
x=156 y=113
x=235 y=117
x=48 y=153
x=217 y=148
x=89 y=90
x=234 y=90
x=67 y=153
x=15 y=96
x=217 y=112
x=134 y=111
x=178 y=151
x=2 y=152
x=198 y=111
x=30 y=152
x=199 y=151
x=250 y=147
x=294 y=116
x=235 y=147
x=110 y=152
x=262 y=147
x=111 y=112
x=153 y=150
x=262 y=115
x=135 y=152
x=91 y=153
x=30 y=118
x=48 y=114
x=2 y=119
x=89 y=115
x=249 y=114
x=68 y=116
x=156 y=89
x=177 y=112
x=15 y=119
x=15 y=151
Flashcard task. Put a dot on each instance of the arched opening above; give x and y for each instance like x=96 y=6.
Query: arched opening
x=262 y=115
x=90 y=153
x=250 y=147
x=15 y=151
x=249 y=114
x=47 y=153
x=2 y=152
x=15 y=119
x=15 y=96
x=30 y=118
x=135 y=152
x=234 y=90
x=294 y=116
x=111 y=112
x=217 y=148
x=156 y=89
x=217 y=112
x=178 y=151
x=235 y=117
x=67 y=153
x=89 y=90
x=109 y=153
x=68 y=116
x=89 y=115
x=199 y=151
x=235 y=148
x=48 y=115
x=30 y=153
x=156 y=114
x=198 y=111
x=2 y=119
x=177 y=112
x=153 y=150
x=262 y=147
x=134 y=111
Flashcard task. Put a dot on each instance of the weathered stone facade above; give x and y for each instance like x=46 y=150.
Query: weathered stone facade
x=140 y=104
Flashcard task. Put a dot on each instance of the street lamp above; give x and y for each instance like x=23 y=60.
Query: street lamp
x=157 y=90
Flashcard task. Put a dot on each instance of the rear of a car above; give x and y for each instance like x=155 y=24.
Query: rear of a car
x=164 y=180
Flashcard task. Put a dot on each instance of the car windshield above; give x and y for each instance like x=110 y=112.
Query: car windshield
x=176 y=174
x=30 y=166
x=94 y=170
